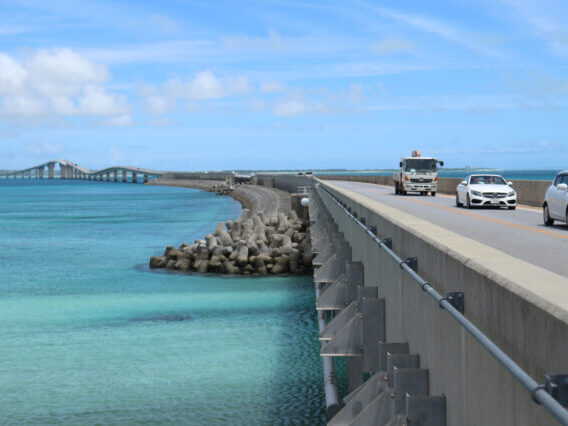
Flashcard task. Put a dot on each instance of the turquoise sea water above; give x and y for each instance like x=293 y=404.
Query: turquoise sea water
x=89 y=335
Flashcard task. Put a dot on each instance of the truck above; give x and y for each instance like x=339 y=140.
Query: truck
x=417 y=174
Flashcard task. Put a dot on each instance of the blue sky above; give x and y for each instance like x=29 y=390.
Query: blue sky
x=196 y=85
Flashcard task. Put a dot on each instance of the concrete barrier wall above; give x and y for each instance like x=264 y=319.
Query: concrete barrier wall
x=379 y=180
x=529 y=192
x=288 y=183
x=196 y=176
x=522 y=308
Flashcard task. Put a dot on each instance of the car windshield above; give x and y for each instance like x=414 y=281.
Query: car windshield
x=421 y=165
x=487 y=180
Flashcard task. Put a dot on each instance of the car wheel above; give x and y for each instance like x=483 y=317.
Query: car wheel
x=467 y=202
x=458 y=204
x=512 y=207
x=566 y=219
x=433 y=194
x=548 y=221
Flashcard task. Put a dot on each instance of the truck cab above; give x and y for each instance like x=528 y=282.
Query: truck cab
x=417 y=174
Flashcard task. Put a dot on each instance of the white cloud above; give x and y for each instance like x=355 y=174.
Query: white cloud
x=290 y=108
x=43 y=148
x=123 y=120
x=392 y=45
x=544 y=144
x=22 y=105
x=274 y=42
x=161 y=122
x=62 y=72
x=258 y=105
x=272 y=87
x=51 y=83
x=297 y=101
x=238 y=85
x=97 y=101
x=157 y=52
x=547 y=18
x=203 y=86
x=12 y=75
x=472 y=41
x=164 y=24
x=63 y=105
x=159 y=104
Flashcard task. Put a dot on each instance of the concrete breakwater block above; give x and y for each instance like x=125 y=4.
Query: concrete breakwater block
x=256 y=244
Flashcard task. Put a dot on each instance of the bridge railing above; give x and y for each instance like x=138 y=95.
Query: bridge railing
x=452 y=304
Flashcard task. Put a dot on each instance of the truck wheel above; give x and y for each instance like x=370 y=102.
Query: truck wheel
x=433 y=193
x=458 y=204
x=396 y=191
x=548 y=221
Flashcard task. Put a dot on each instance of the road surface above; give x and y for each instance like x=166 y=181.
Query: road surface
x=520 y=233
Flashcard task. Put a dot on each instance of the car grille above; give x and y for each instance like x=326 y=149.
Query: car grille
x=494 y=194
x=420 y=180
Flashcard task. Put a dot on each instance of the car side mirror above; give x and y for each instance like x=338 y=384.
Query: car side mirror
x=463 y=182
x=510 y=183
x=562 y=187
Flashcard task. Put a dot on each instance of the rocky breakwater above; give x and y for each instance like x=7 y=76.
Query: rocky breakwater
x=222 y=189
x=255 y=244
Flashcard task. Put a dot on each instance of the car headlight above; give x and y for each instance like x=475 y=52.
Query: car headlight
x=476 y=193
x=511 y=194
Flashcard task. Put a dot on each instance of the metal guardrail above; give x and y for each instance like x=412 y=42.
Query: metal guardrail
x=541 y=394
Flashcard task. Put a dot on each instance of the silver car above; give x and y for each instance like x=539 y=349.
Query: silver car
x=555 y=206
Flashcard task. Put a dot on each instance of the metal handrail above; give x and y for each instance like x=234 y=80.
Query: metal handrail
x=537 y=391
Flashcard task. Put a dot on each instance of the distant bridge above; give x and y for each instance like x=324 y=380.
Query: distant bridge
x=70 y=170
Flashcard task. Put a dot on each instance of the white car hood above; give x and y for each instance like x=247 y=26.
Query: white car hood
x=484 y=187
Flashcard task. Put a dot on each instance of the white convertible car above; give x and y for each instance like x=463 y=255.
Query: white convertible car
x=486 y=190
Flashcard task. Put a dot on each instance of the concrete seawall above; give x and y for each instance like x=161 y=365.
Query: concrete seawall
x=529 y=192
x=522 y=308
x=196 y=175
x=288 y=183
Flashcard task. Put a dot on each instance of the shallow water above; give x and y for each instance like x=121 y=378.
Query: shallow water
x=89 y=335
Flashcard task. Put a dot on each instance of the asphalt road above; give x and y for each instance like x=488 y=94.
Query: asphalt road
x=520 y=233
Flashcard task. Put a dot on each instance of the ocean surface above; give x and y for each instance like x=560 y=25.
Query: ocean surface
x=89 y=335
